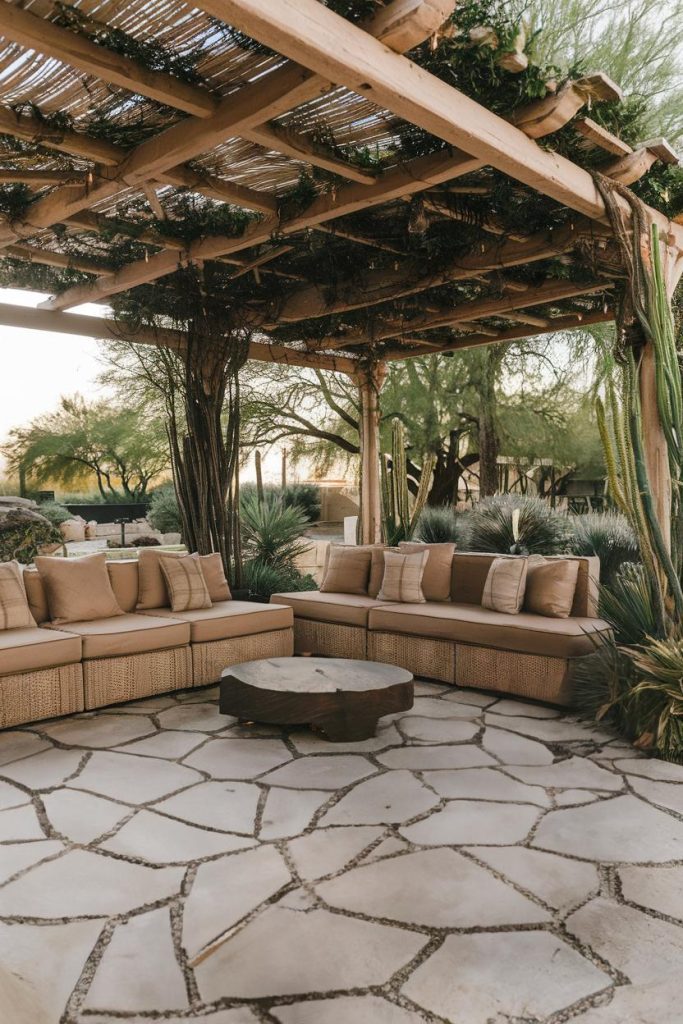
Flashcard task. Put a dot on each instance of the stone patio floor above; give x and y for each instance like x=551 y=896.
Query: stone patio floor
x=482 y=860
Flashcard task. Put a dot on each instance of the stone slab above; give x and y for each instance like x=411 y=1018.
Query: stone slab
x=659 y=889
x=132 y=779
x=559 y=882
x=326 y=851
x=484 y=784
x=473 y=822
x=160 y=840
x=238 y=758
x=336 y=771
x=391 y=798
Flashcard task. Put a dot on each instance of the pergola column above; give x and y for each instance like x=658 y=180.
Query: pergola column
x=370 y=380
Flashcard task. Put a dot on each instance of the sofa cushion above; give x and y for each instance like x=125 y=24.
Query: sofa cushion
x=347 y=570
x=550 y=586
x=403 y=574
x=472 y=624
x=504 y=587
x=187 y=589
x=14 y=609
x=78 y=589
x=228 y=619
x=214 y=576
x=470 y=569
x=343 y=609
x=123 y=576
x=436 y=581
x=130 y=634
x=152 y=592
x=33 y=649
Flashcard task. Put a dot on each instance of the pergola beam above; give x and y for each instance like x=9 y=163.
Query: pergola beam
x=107 y=330
x=308 y=32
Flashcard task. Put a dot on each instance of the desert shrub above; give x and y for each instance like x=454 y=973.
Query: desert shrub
x=442 y=524
x=262 y=579
x=55 y=512
x=271 y=531
x=163 y=514
x=541 y=530
x=144 y=542
x=304 y=496
x=23 y=534
x=608 y=535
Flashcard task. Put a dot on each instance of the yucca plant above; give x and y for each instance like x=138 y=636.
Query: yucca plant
x=271 y=531
x=400 y=513
x=441 y=525
x=519 y=524
x=610 y=536
x=262 y=579
x=656 y=699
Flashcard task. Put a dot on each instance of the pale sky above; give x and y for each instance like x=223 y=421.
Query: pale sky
x=37 y=367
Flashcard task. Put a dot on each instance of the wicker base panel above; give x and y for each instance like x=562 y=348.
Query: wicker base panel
x=329 y=639
x=426 y=658
x=209 y=660
x=114 y=680
x=525 y=675
x=32 y=696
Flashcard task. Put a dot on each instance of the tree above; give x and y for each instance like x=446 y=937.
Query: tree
x=123 y=447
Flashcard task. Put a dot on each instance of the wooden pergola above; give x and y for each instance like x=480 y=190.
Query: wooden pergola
x=288 y=92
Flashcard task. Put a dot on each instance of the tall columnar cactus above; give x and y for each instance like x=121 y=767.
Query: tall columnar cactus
x=399 y=513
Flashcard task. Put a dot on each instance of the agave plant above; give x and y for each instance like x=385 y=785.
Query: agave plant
x=442 y=525
x=610 y=536
x=522 y=525
x=271 y=531
x=657 y=698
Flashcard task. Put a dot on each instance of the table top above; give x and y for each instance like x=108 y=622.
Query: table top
x=317 y=675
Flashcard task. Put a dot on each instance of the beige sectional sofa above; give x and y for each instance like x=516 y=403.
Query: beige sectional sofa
x=46 y=671
x=457 y=641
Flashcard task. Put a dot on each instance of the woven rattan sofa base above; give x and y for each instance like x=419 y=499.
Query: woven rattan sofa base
x=330 y=639
x=526 y=675
x=114 y=680
x=209 y=660
x=424 y=657
x=32 y=696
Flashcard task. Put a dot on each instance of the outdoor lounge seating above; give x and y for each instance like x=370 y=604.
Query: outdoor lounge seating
x=49 y=671
x=457 y=641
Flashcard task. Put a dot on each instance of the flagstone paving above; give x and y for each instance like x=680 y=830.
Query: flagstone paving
x=480 y=860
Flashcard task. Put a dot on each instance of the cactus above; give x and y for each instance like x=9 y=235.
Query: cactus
x=399 y=515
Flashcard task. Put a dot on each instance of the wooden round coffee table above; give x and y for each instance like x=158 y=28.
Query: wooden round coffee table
x=344 y=699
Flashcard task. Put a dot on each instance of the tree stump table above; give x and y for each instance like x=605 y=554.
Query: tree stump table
x=343 y=699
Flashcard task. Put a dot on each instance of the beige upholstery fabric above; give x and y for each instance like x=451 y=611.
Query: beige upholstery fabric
x=403 y=577
x=504 y=587
x=436 y=581
x=14 y=609
x=472 y=624
x=35 y=592
x=130 y=634
x=550 y=586
x=347 y=571
x=342 y=609
x=185 y=583
x=229 y=619
x=376 y=568
x=470 y=569
x=152 y=591
x=214 y=576
x=123 y=576
x=33 y=649
x=78 y=589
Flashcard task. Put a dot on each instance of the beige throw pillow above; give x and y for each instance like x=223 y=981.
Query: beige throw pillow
x=77 y=589
x=214 y=577
x=347 y=570
x=152 y=592
x=436 y=582
x=14 y=610
x=550 y=586
x=185 y=583
x=504 y=587
x=403 y=577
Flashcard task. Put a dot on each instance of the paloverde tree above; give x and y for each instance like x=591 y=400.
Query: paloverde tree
x=122 y=447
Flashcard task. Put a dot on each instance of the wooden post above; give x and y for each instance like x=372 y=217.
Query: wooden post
x=370 y=381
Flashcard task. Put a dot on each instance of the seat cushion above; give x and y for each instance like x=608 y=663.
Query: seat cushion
x=228 y=619
x=343 y=609
x=130 y=634
x=78 y=589
x=33 y=649
x=472 y=624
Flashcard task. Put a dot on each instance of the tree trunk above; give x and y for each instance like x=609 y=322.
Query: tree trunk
x=369 y=385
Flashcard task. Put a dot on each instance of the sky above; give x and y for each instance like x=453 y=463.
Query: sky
x=38 y=367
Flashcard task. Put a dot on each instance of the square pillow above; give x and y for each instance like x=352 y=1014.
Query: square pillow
x=14 y=610
x=185 y=583
x=403 y=577
x=214 y=577
x=550 y=586
x=152 y=592
x=347 y=570
x=436 y=582
x=77 y=589
x=504 y=587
